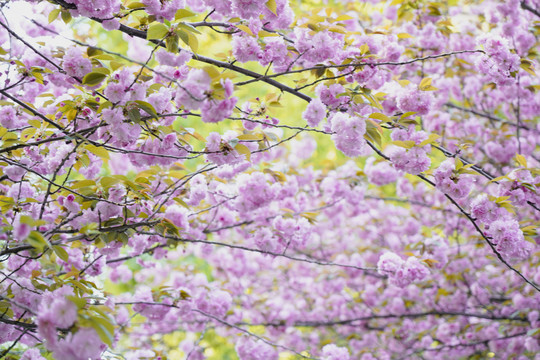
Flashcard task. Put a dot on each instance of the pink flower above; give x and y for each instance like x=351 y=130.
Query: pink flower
x=401 y=273
x=213 y=110
x=411 y=99
x=509 y=239
x=14 y=172
x=178 y=216
x=116 y=93
x=64 y=312
x=112 y=24
x=248 y=8
x=333 y=352
x=220 y=152
x=381 y=173
x=84 y=344
x=348 y=133
x=75 y=64
x=216 y=302
x=246 y=48
x=389 y=263
x=254 y=192
x=192 y=92
x=32 y=354
x=413 y=160
x=21 y=230
x=69 y=203
x=101 y=9
x=167 y=58
x=8 y=117
x=248 y=348
x=315 y=112
x=452 y=183
x=163 y=9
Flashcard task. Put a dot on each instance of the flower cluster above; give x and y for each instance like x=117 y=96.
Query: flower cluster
x=400 y=272
x=415 y=159
x=498 y=63
x=451 y=182
x=508 y=238
x=348 y=133
x=163 y=9
x=254 y=191
x=100 y=9
x=249 y=349
x=315 y=112
x=75 y=64
x=380 y=173
x=219 y=150
x=501 y=227
x=215 y=110
x=415 y=100
x=333 y=352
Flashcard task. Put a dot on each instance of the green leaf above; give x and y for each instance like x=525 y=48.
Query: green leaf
x=171 y=43
x=380 y=116
x=98 y=151
x=193 y=42
x=252 y=137
x=157 y=31
x=364 y=49
x=134 y=115
x=104 y=328
x=500 y=178
x=243 y=149
x=82 y=183
x=424 y=83
x=136 y=5
x=245 y=29
x=404 y=36
x=53 y=15
x=184 y=35
x=431 y=139
x=183 y=13
x=93 y=78
x=521 y=160
x=188 y=28
x=92 y=51
x=5 y=309
x=373 y=132
x=104 y=105
x=66 y=16
x=272 y=6
x=79 y=301
x=527 y=65
x=108 y=181
x=147 y=108
x=188 y=38
x=102 y=70
x=182 y=202
x=407 y=144
x=60 y=252
x=407 y=114
x=37 y=240
x=277 y=175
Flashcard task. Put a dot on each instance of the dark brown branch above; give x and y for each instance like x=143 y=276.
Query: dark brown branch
x=484 y=115
x=311 y=323
x=527 y=7
x=221 y=64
